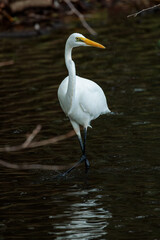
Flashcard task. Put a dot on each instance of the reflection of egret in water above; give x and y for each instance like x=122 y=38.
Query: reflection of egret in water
x=82 y=220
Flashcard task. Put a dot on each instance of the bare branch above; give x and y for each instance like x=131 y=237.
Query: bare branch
x=5 y=14
x=143 y=10
x=31 y=136
x=2 y=64
x=81 y=17
x=30 y=144
x=52 y=140
x=25 y=166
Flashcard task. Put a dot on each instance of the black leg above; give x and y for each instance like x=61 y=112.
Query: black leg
x=83 y=149
x=81 y=143
x=85 y=137
x=87 y=165
x=83 y=158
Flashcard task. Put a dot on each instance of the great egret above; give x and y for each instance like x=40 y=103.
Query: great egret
x=82 y=100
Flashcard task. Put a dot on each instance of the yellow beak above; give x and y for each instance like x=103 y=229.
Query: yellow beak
x=92 y=43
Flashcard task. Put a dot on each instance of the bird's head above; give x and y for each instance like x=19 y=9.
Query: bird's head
x=77 y=40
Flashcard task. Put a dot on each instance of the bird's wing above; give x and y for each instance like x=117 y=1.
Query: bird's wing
x=91 y=98
x=61 y=94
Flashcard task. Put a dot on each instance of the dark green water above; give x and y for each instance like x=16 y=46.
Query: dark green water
x=120 y=197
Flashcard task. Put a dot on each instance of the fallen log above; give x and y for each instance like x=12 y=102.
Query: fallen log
x=22 y=5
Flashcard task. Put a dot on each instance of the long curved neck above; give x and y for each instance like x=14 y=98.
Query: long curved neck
x=72 y=77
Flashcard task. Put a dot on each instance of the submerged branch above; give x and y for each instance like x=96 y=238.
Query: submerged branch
x=2 y=64
x=29 y=143
x=25 y=166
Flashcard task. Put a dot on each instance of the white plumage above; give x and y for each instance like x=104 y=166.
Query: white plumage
x=81 y=99
x=89 y=101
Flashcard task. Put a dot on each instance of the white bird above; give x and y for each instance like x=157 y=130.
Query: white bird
x=81 y=99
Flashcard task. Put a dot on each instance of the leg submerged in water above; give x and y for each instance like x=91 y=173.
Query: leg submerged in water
x=83 y=158
x=74 y=166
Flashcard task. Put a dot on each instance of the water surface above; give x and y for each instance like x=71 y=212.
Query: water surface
x=119 y=199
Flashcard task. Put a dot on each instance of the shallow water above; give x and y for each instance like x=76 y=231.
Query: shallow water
x=119 y=198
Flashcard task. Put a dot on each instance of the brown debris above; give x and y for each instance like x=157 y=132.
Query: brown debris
x=19 y=6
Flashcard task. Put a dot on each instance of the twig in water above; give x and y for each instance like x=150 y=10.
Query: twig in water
x=143 y=10
x=31 y=136
x=25 y=166
x=30 y=144
x=81 y=17
x=2 y=64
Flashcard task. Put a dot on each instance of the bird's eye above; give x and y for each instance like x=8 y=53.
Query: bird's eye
x=78 y=39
